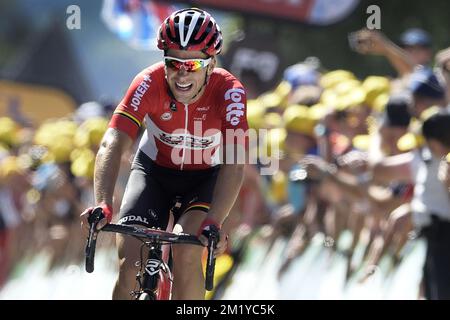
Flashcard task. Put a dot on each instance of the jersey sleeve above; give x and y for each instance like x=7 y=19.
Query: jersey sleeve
x=234 y=114
x=130 y=112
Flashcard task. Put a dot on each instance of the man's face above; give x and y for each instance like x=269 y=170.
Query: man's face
x=184 y=84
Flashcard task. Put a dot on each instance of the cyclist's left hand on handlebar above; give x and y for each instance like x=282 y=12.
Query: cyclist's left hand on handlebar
x=222 y=244
x=203 y=236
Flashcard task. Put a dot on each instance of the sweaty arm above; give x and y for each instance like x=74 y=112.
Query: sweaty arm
x=398 y=58
x=374 y=42
x=107 y=164
x=394 y=168
x=123 y=130
x=227 y=188
x=348 y=183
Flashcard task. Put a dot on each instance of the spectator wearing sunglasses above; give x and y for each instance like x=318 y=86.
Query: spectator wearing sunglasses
x=188 y=107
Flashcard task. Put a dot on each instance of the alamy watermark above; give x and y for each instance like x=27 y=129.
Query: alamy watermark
x=374 y=20
x=234 y=146
x=73 y=21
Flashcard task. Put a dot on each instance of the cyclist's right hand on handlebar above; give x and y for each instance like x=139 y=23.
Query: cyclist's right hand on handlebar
x=106 y=217
x=204 y=231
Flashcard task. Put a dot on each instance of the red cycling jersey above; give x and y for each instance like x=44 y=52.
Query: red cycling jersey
x=177 y=135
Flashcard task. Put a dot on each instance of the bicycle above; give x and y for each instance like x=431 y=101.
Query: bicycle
x=154 y=278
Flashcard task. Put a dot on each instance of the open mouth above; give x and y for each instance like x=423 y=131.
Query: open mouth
x=183 y=86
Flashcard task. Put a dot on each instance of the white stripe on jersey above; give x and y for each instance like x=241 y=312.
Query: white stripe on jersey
x=176 y=140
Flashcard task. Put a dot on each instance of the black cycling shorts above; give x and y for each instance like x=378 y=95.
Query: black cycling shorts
x=152 y=191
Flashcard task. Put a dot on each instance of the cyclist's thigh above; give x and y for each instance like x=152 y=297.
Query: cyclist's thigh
x=196 y=206
x=188 y=255
x=191 y=222
x=144 y=203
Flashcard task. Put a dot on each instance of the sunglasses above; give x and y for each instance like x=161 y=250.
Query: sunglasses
x=190 y=65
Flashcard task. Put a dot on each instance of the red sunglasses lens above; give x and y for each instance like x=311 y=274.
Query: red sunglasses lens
x=190 y=66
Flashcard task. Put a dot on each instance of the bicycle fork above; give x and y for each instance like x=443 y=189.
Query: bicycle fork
x=155 y=275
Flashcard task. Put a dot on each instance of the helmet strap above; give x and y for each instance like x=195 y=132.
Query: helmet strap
x=203 y=85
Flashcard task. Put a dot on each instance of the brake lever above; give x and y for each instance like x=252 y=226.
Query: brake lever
x=93 y=219
x=213 y=239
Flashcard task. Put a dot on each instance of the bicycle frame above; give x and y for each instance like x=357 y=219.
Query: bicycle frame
x=154 y=277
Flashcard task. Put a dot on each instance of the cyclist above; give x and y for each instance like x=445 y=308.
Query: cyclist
x=189 y=108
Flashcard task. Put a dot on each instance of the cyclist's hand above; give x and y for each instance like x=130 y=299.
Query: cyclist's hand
x=205 y=230
x=222 y=244
x=107 y=217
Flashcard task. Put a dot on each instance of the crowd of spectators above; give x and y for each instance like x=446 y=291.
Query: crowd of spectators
x=369 y=156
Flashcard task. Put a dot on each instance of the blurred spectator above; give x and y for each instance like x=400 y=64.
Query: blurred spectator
x=305 y=73
x=426 y=89
x=250 y=79
x=374 y=42
x=418 y=45
x=10 y=214
x=433 y=203
x=443 y=69
x=394 y=123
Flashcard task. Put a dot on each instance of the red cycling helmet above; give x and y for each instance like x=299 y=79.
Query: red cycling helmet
x=190 y=29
